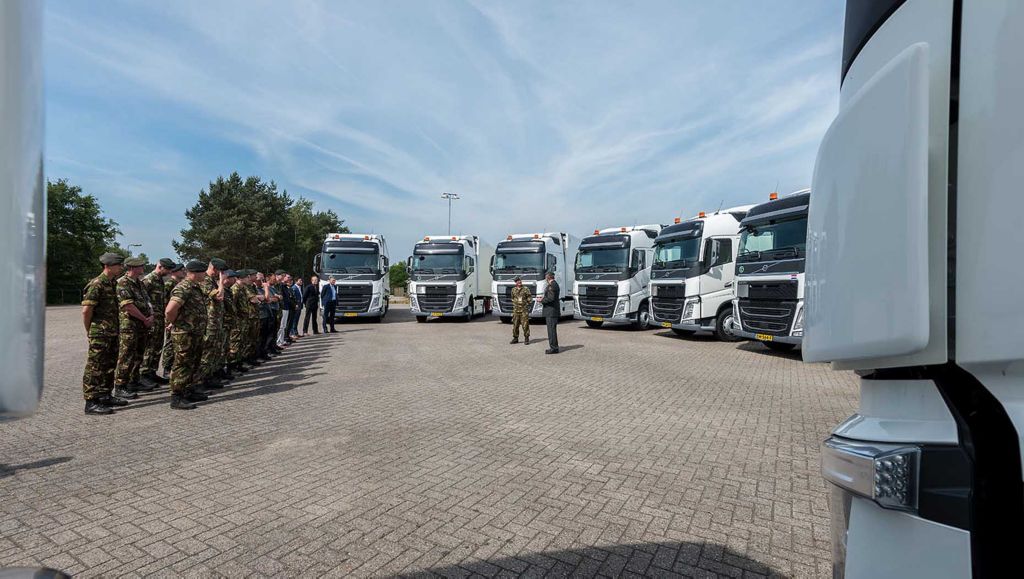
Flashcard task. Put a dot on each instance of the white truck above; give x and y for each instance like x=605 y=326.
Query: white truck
x=359 y=264
x=912 y=283
x=530 y=256
x=769 y=293
x=613 y=274
x=692 y=274
x=450 y=276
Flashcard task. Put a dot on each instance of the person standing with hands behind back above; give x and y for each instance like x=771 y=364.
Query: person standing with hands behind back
x=552 y=311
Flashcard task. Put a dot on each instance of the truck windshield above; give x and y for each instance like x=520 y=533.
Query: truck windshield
x=437 y=263
x=676 y=253
x=520 y=257
x=611 y=259
x=350 y=260
x=774 y=240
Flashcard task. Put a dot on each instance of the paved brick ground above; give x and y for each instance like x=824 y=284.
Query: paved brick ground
x=404 y=448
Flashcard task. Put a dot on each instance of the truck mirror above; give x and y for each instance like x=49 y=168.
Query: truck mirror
x=386 y=264
x=408 y=262
x=316 y=263
x=492 y=266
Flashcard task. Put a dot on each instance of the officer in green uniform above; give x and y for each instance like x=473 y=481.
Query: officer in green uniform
x=213 y=287
x=223 y=370
x=257 y=296
x=99 y=315
x=522 y=301
x=153 y=284
x=136 y=319
x=240 y=325
x=167 y=355
x=186 y=318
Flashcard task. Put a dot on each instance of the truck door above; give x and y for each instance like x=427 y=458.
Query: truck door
x=716 y=275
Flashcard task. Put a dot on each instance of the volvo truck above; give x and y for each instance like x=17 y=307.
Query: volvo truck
x=692 y=274
x=613 y=274
x=769 y=287
x=359 y=264
x=530 y=256
x=450 y=276
x=912 y=283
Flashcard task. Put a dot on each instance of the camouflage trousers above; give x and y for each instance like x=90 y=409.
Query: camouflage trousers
x=131 y=347
x=188 y=357
x=98 y=379
x=213 y=348
x=154 y=347
x=167 y=355
x=237 y=340
x=252 y=338
x=520 y=320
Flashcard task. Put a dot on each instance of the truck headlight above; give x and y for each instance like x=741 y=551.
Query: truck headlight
x=620 y=308
x=375 y=303
x=884 y=473
x=688 y=309
x=798 y=323
x=576 y=305
x=460 y=301
x=413 y=303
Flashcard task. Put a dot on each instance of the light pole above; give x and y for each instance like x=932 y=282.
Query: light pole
x=450 y=197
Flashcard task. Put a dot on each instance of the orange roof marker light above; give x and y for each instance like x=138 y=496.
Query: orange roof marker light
x=622 y=229
x=773 y=196
x=596 y=231
x=677 y=220
x=509 y=238
x=701 y=214
x=427 y=238
x=366 y=237
x=536 y=236
x=454 y=238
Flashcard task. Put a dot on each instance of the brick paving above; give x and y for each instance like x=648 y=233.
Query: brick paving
x=411 y=449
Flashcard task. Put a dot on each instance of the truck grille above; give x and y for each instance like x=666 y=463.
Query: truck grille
x=505 y=296
x=771 y=290
x=767 y=316
x=667 y=305
x=437 y=298
x=354 y=298
x=597 y=300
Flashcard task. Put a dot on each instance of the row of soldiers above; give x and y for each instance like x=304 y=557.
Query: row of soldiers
x=201 y=321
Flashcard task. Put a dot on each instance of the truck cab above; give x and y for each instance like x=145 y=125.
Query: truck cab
x=692 y=274
x=912 y=284
x=359 y=264
x=449 y=276
x=530 y=256
x=769 y=291
x=613 y=274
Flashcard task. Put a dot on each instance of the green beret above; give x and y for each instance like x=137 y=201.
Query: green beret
x=280 y=272
x=230 y=273
x=195 y=266
x=110 y=258
x=219 y=263
x=134 y=262
x=166 y=262
x=177 y=267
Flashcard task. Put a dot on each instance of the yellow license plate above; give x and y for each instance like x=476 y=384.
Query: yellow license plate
x=436 y=314
x=764 y=337
x=666 y=324
x=350 y=315
x=596 y=319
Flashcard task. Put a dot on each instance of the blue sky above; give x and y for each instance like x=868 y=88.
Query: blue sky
x=540 y=115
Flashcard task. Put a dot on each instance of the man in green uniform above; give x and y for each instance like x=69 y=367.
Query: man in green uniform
x=223 y=370
x=136 y=319
x=522 y=301
x=153 y=284
x=99 y=315
x=167 y=356
x=213 y=287
x=239 y=332
x=186 y=318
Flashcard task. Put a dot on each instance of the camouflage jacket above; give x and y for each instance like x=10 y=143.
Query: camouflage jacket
x=154 y=287
x=521 y=298
x=240 y=300
x=102 y=295
x=192 y=315
x=214 y=307
x=129 y=291
x=229 y=306
x=169 y=283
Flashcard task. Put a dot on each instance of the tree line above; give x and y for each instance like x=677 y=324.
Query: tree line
x=247 y=222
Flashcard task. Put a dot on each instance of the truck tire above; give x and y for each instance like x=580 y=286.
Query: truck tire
x=683 y=333
x=421 y=319
x=643 y=318
x=779 y=346
x=470 y=310
x=593 y=324
x=723 y=326
x=506 y=320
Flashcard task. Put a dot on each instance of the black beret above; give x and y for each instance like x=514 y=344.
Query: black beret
x=230 y=273
x=195 y=266
x=134 y=262
x=219 y=263
x=280 y=272
x=177 y=267
x=166 y=262
x=111 y=258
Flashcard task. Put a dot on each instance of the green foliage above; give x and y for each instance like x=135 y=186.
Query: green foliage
x=399 y=275
x=77 y=233
x=250 y=224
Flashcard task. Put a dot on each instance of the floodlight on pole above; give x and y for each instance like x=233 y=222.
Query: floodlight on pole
x=130 y=246
x=450 y=197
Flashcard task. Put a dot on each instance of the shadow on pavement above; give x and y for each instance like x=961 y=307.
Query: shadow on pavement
x=759 y=348
x=7 y=470
x=647 y=559
x=564 y=349
x=698 y=337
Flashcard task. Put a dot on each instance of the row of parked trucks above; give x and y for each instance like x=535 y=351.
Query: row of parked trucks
x=737 y=273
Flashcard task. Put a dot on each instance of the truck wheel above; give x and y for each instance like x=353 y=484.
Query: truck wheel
x=594 y=324
x=723 y=326
x=421 y=319
x=683 y=333
x=506 y=320
x=779 y=346
x=643 y=318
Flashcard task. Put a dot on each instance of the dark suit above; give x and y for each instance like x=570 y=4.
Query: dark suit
x=311 y=301
x=552 y=311
x=329 y=298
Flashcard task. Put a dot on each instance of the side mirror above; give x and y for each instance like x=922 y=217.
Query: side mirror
x=386 y=262
x=408 y=262
x=316 y=263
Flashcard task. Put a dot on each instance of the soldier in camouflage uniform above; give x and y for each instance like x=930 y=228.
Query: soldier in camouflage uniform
x=213 y=287
x=223 y=370
x=99 y=314
x=153 y=284
x=186 y=318
x=522 y=301
x=167 y=356
x=136 y=319
x=247 y=318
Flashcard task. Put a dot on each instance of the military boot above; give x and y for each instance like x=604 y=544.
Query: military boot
x=97 y=407
x=159 y=379
x=180 y=403
x=196 y=396
x=124 y=392
x=527 y=342
x=112 y=400
x=514 y=341
x=147 y=384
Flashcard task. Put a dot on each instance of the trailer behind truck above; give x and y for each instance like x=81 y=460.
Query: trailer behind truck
x=450 y=276
x=530 y=256
x=613 y=274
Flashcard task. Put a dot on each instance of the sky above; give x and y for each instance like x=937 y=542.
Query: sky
x=540 y=115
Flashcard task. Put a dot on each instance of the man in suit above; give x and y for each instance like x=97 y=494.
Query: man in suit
x=552 y=311
x=311 y=299
x=329 y=298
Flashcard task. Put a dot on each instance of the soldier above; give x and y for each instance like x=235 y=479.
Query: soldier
x=239 y=332
x=522 y=301
x=223 y=370
x=167 y=356
x=186 y=318
x=153 y=284
x=136 y=319
x=256 y=295
x=99 y=315
x=213 y=287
